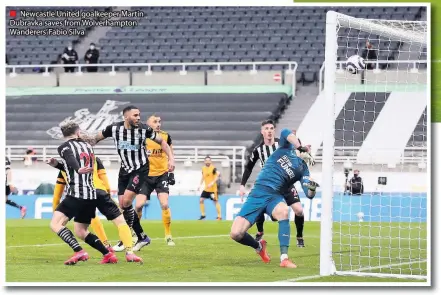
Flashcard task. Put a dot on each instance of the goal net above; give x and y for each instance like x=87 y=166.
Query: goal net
x=376 y=123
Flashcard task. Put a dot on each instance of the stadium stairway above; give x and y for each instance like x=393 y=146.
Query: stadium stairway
x=95 y=35
x=296 y=111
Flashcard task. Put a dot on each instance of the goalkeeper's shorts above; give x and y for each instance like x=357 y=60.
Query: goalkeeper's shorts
x=258 y=202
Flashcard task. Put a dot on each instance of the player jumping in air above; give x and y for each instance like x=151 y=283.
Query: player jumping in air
x=209 y=176
x=262 y=152
x=101 y=183
x=281 y=170
x=129 y=137
x=159 y=179
x=8 y=189
x=82 y=200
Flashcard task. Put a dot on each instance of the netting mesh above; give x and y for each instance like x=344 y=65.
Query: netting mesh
x=381 y=130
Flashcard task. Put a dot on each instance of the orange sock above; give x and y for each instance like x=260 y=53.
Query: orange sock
x=218 y=209
x=126 y=236
x=97 y=227
x=202 y=206
x=166 y=220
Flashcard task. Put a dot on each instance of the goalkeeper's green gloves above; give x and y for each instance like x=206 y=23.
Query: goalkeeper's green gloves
x=312 y=185
x=309 y=160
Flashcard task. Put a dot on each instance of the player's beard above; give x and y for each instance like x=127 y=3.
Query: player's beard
x=133 y=123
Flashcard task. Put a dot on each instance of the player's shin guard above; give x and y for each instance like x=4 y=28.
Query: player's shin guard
x=166 y=220
x=97 y=227
x=13 y=204
x=284 y=236
x=299 y=221
x=129 y=215
x=202 y=207
x=248 y=240
x=259 y=222
x=95 y=243
x=67 y=236
x=137 y=228
x=125 y=236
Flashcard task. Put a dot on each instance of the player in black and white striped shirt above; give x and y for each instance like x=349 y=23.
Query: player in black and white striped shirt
x=129 y=137
x=262 y=152
x=81 y=199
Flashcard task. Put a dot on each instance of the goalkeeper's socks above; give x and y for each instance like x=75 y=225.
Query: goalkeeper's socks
x=284 y=235
x=248 y=240
x=299 y=221
x=283 y=257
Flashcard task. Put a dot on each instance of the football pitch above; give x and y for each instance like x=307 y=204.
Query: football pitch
x=203 y=253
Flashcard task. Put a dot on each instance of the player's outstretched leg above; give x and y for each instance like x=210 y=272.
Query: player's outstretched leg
x=21 y=208
x=281 y=213
x=299 y=221
x=81 y=230
x=240 y=235
x=259 y=224
x=57 y=225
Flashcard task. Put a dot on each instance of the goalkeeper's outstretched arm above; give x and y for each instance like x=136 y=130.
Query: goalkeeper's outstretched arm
x=288 y=138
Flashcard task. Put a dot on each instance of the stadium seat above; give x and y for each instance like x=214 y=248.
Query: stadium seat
x=220 y=34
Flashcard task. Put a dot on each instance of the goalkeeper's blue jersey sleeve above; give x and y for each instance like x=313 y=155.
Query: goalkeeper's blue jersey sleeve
x=282 y=169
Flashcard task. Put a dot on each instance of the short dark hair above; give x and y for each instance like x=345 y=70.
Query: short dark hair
x=69 y=128
x=207 y=157
x=129 y=108
x=268 y=121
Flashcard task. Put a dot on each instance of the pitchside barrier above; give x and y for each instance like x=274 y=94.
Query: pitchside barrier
x=370 y=207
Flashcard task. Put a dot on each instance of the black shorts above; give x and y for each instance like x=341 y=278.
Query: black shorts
x=292 y=196
x=208 y=195
x=8 y=190
x=82 y=210
x=132 y=181
x=155 y=183
x=106 y=205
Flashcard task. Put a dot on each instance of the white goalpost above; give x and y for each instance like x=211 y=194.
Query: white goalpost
x=376 y=122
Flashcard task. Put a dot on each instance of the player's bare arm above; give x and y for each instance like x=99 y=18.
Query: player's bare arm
x=166 y=148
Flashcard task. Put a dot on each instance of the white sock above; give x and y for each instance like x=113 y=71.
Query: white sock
x=283 y=257
x=260 y=247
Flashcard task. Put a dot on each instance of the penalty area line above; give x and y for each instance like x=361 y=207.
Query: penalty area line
x=153 y=239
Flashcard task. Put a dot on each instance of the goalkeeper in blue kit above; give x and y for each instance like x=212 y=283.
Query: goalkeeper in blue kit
x=282 y=169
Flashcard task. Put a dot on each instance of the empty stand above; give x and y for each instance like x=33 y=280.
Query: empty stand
x=191 y=119
x=214 y=34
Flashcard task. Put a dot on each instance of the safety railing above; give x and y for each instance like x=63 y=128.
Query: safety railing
x=292 y=67
x=340 y=68
x=196 y=154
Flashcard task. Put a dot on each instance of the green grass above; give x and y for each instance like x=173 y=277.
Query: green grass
x=205 y=253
